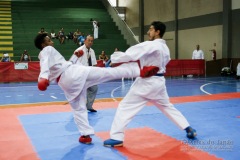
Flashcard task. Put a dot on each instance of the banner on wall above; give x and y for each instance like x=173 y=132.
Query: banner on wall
x=20 y=65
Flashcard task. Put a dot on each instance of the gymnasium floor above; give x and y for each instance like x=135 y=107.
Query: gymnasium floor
x=38 y=125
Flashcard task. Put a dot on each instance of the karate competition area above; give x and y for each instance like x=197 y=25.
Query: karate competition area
x=39 y=125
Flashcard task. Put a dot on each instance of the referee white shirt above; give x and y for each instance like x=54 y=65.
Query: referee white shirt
x=198 y=54
x=84 y=59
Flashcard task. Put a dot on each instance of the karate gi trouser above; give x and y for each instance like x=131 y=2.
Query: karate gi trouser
x=91 y=95
x=144 y=90
x=96 y=76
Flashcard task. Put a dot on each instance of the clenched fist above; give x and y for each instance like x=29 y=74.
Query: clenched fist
x=43 y=84
x=79 y=53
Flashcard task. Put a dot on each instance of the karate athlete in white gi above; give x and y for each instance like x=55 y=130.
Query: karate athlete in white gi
x=153 y=89
x=74 y=79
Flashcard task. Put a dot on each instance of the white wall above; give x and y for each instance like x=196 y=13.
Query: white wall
x=235 y=4
x=192 y=8
x=205 y=37
x=162 y=10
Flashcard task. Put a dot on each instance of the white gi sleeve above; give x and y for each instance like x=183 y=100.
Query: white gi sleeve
x=73 y=59
x=134 y=53
x=44 y=64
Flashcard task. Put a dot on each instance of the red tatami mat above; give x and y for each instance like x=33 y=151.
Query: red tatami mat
x=145 y=143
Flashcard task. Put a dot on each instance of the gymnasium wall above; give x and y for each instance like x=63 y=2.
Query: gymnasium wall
x=235 y=4
x=205 y=37
x=159 y=10
x=236 y=33
x=199 y=22
x=132 y=13
x=193 y=8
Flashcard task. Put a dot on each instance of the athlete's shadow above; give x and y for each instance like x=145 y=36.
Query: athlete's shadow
x=92 y=118
x=82 y=151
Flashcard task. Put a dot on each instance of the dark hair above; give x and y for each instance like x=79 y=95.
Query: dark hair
x=159 y=26
x=39 y=40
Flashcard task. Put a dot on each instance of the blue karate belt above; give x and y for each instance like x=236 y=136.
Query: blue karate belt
x=159 y=74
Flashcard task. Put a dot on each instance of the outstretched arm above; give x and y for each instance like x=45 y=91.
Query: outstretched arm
x=75 y=56
x=134 y=53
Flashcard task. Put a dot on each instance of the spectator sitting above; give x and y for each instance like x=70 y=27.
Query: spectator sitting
x=76 y=35
x=6 y=58
x=108 y=63
x=70 y=35
x=61 y=36
x=103 y=57
x=53 y=35
x=25 y=57
x=81 y=39
x=42 y=31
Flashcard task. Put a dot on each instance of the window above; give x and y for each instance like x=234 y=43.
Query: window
x=121 y=10
x=113 y=2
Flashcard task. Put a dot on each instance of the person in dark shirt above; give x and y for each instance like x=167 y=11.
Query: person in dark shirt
x=25 y=57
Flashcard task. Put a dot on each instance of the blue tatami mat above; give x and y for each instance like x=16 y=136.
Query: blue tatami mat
x=55 y=136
